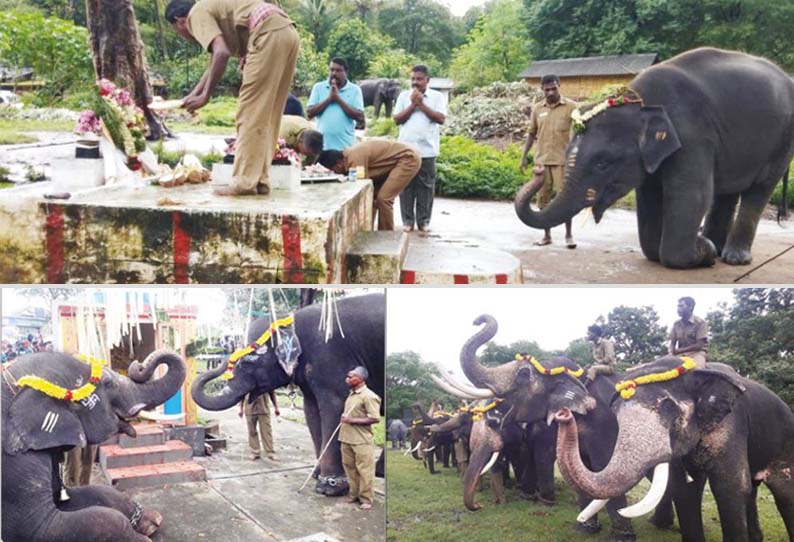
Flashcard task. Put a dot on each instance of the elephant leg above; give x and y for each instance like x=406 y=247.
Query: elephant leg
x=146 y=522
x=783 y=491
x=621 y=529
x=664 y=517
x=732 y=489
x=544 y=456
x=649 y=218
x=688 y=499
x=331 y=481
x=431 y=462
x=720 y=219
x=738 y=247
x=377 y=104
x=446 y=453
x=753 y=523
x=312 y=413
x=592 y=525
x=91 y=524
x=389 y=107
x=682 y=247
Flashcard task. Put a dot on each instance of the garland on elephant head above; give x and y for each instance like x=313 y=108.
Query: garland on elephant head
x=58 y=392
x=628 y=388
x=550 y=372
x=256 y=345
x=624 y=96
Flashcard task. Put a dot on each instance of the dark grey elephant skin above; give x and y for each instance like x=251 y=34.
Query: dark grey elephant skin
x=439 y=445
x=715 y=128
x=712 y=424
x=37 y=429
x=535 y=398
x=320 y=373
x=380 y=92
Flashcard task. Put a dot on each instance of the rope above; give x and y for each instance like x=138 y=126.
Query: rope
x=756 y=268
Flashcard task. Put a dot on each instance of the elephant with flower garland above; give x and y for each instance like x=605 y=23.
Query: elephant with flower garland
x=52 y=402
x=696 y=136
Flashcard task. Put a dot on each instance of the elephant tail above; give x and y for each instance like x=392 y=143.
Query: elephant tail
x=782 y=206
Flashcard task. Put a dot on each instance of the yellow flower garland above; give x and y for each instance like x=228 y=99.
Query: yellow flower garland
x=53 y=390
x=550 y=372
x=242 y=352
x=627 y=388
x=479 y=412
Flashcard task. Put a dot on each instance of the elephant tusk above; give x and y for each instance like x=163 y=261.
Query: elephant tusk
x=426 y=450
x=157 y=417
x=415 y=448
x=451 y=390
x=661 y=473
x=689 y=479
x=487 y=467
x=465 y=388
x=591 y=510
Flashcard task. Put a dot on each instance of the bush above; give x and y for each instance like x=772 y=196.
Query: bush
x=498 y=110
x=466 y=169
x=383 y=127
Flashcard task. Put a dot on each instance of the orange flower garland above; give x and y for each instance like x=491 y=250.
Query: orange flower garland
x=53 y=390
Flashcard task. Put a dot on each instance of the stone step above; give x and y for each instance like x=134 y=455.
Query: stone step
x=376 y=257
x=112 y=457
x=430 y=262
x=148 y=435
x=178 y=472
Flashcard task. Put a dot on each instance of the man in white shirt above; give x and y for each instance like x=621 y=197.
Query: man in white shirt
x=420 y=112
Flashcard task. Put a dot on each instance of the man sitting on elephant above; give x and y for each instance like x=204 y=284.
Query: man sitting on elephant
x=338 y=105
x=550 y=126
x=689 y=336
x=389 y=164
x=603 y=354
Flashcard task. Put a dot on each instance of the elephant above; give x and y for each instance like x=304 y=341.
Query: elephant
x=713 y=425
x=433 y=446
x=379 y=92
x=38 y=427
x=692 y=142
x=397 y=433
x=535 y=390
x=298 y=353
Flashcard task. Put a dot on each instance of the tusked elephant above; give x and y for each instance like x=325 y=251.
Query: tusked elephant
x=37 y=428
x=298 y=353
x=712 y=424
x=433 y=446
x=378 y=92
x=694 y=135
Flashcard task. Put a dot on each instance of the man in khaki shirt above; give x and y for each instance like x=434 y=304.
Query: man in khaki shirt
x=550 y=126
x=362 y=410
x=300 y=136
x=265 y=40
x=603 y=353
x=389 y=164
x=689 y=336
x=258 y=414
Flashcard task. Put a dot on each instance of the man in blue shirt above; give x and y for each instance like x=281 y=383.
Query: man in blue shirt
x=337 y=104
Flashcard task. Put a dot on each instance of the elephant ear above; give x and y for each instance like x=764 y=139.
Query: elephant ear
x=38 y=422
x=716 y=393
x=568 y=392
x=287 y=349
x=658 y=138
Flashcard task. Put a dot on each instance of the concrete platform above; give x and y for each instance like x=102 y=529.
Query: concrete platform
x=431 y=262
x=176 y=472
x=376 y=257
x=150 y=234
x=112 y=457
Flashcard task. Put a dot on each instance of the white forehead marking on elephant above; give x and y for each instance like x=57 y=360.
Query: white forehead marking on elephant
x=49 y=421
x=90 y=401
x=569 y=394
x=79 y=381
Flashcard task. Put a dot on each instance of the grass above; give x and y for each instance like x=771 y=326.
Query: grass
x=425 y=508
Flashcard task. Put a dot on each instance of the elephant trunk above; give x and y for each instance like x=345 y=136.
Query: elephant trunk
x=498 y=379
x=572 y=198
x=230 y=395
x=144 y=393
x=641 y=444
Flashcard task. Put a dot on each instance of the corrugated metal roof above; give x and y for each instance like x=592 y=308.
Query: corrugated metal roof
x=592 y=66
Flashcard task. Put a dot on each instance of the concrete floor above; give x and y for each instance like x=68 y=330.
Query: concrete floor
x=247 y=501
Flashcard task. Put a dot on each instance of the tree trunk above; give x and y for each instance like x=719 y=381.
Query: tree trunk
x=160 y=34
x=118 y=53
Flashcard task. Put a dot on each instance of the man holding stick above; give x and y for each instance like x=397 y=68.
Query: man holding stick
x=362 y=410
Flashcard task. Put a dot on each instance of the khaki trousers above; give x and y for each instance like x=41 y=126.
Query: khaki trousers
x=265 y=432
x=599 y=369
x=386 y=191
x=358 y=461
x=553 y=177
x=77 y=466
x=267 y=76
x=698 y=357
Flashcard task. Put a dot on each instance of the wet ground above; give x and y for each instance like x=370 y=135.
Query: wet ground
x=608 y=252
x=247 y=501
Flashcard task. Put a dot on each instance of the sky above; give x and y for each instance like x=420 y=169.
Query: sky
x=436 y=322
x=459 y=7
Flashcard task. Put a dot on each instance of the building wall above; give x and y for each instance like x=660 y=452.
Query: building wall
x=581 y=88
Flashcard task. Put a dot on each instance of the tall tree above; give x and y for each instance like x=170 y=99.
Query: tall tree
x=318 y=17
x=357 y=43
x=636 y=332
x=408 y=381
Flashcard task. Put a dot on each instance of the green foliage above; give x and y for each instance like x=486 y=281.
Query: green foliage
x=358 y=44
x=408 y=381
x=497 y=110
x=580 y=351
x=392 y=64
x=636 y=332
x=311 y=66
x=496 y=48
x=56 y=49
x=468 y=169
x=383 y=127
x=318 y=17
x=756 y=336
x=777 y=195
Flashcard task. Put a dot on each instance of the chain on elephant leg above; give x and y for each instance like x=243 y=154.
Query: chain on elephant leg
x=332 y=486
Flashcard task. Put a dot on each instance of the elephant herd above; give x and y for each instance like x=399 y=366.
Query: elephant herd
x=666 y=420
x=52 y=402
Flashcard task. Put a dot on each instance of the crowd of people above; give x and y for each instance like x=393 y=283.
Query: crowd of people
x=13 y=348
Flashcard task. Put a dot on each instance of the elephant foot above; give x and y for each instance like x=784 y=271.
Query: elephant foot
x=706 y=251
x=622 y=536
x=547 y=500
x=736 y=256
x=704 y=256
x=591 y=526
x=150 y=522
x=665 y=524
x=527 y=496
x=331 y=486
